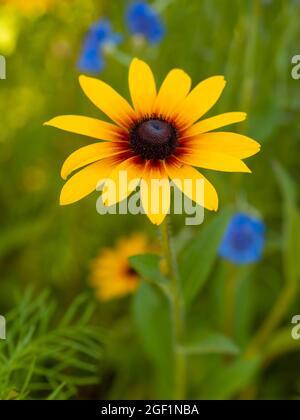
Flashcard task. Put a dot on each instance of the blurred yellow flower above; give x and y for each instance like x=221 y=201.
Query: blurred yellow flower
x=30 y=6
x=111 y=275
x=9 y=31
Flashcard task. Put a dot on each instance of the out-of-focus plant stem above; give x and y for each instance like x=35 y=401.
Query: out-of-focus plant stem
x=230 y=287
x=251 y=27
x=251 y=38
x=177 y=312
x=273 y=320
x=161 y=5
x=118 y=55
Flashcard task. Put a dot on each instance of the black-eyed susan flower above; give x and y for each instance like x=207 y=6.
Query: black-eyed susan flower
x=111 y=275
x=159 y=137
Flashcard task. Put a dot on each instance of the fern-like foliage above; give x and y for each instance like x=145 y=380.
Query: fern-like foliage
x=46 y=358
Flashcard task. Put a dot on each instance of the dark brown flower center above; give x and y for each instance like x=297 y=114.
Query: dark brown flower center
x=131 y=272
x=153 y=138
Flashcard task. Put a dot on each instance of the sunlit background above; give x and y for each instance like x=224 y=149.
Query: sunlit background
x=105 y=348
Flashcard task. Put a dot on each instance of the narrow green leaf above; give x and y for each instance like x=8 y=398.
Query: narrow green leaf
x=210 y=343
x=198 y=258
x=291 y=242
x=152 y=317
x=291 y=233
x=287 y=184
x=281 y=343
x=230 y=380
x=147 y=266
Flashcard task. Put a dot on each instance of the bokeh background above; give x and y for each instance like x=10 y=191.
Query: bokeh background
x=98 y=350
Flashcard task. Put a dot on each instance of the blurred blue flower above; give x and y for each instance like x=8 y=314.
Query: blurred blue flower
x=143 y=20
x=244 y=240
x=99 y=36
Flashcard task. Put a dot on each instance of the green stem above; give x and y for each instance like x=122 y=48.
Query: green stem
x=251 y=25
x=161 y=5
x=273 y=320
x=251 y=33
x=177 y=313
x=230 y=300
x=119 y=56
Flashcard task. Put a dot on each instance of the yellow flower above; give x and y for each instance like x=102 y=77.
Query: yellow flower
x=159 y=137
x=30 y=6
x=111 y=274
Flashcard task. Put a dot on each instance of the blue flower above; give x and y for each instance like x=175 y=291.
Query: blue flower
x=244 y=240
x=143 y=20
x=100 y=35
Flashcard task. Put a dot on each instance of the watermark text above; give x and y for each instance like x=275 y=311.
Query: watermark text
x=153 y=197
x=2 y=67
x=2 y=328
x=296 y=329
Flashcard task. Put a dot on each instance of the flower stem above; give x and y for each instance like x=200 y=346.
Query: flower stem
x=177 y=312
x=273 y=320
x=123 y=58
x=161 y=5
x=230 y=290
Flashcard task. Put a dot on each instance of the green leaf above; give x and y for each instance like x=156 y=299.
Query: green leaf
x=198 y=258
x=210 y=343
x=152 y=317
x=281 y=343
x=147 y=266
x=291 y=233
x=287 y=185
x=17 y=237
x=244 y=304
x=230 y=380
x=291 y=243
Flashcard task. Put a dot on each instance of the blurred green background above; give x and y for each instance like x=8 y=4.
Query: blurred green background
x=47 y=247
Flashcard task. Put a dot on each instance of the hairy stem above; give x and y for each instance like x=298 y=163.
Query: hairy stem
x=177 y=312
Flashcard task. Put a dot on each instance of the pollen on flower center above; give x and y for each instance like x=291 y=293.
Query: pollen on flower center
x=153 y=139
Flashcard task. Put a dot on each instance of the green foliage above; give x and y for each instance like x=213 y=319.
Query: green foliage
x=210 y=343
x=291 y=223
x=48 y=358
x=198 y=258
x=280 y=344
x=152 y=317
x=226 y=383
x=148 y=267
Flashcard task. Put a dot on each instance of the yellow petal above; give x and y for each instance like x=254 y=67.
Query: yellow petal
x=211 y=160
x=108 y=100
x=90 y=127
x=188 y=180
x=85 y=181
x=89 y=154
x=173 y=91
x=155 y=192
x=201 y=99
x=125 y=177
x=142 y=87
x=213 y=123
x=228 y=143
